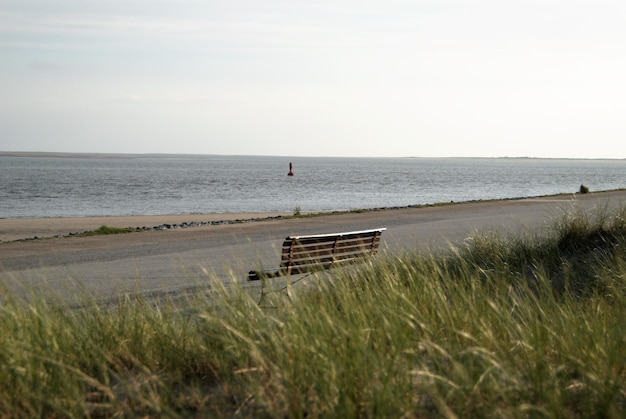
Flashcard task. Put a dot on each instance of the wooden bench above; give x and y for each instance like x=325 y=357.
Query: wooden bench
x=307 y=254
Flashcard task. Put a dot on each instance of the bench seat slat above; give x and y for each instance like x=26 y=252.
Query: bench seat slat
x=300 y=269
x=313 y=253
x=324 y=260
x=321 y=253
x=300 y=247
x=362 y=242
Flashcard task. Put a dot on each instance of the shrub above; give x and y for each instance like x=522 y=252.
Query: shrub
x=105 y=230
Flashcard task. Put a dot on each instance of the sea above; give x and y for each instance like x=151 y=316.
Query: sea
x=80 y=185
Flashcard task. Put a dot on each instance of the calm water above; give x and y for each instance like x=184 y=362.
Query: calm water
x=180 y=184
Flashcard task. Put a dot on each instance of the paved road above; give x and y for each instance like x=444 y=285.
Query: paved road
x=165 y=261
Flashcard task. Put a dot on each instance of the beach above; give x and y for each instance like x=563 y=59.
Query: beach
x=12 y=229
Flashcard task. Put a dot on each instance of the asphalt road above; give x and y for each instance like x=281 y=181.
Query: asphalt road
x=167 y=261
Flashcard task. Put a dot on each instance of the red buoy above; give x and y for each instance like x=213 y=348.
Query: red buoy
x=290 y=170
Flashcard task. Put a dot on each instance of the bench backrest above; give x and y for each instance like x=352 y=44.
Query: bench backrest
x=301 y=254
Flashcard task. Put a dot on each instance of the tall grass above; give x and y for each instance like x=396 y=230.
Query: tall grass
x=502 y=327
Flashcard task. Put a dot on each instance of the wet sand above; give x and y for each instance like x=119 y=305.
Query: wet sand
x=12 y=229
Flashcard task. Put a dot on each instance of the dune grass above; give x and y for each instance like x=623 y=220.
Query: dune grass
x=502 y=327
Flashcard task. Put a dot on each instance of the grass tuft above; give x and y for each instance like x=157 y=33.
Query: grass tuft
x=105 y=230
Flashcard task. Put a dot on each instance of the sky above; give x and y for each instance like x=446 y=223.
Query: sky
x=393 y=78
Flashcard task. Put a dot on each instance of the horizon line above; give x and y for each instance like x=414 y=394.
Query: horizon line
x=92 y=154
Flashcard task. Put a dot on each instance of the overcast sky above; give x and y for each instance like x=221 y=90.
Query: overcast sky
x=539 y=78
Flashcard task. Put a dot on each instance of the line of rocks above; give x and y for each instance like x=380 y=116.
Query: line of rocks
x=167 y=226
x=203 y=223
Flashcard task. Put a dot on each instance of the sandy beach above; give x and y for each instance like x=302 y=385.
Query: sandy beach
x=12 y=229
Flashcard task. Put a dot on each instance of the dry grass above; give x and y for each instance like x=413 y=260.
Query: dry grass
x=505 y=327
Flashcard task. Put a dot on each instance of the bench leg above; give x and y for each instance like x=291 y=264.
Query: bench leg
x=271 y=296
x=274 y=296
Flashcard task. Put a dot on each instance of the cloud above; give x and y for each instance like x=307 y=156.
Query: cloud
x=446 y=72
x=244 y=25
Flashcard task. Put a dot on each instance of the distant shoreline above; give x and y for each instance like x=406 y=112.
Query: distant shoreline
x=88 y=155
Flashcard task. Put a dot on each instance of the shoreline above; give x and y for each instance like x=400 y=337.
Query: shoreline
x=15 y=229
x=23 y=229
